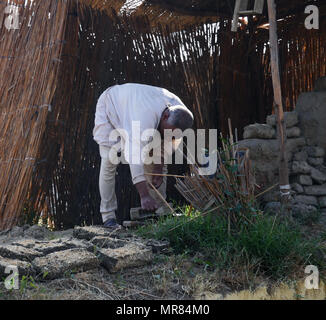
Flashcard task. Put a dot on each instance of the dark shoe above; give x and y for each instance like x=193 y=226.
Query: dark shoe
x=112 y=224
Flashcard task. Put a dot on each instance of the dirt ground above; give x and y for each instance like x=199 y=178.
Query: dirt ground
x=167 y=276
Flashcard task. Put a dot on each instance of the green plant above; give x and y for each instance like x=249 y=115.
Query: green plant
x=27 y=282
x=268 y=246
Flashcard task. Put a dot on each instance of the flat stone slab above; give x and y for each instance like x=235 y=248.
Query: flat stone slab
x=318 y=176
x=259 y=131
x=309 y=200
x=301 y=156
x=108 y=242
x=301 y=167
x=158 y=246
x=316 y=190
x=303 y=209
x=58 y=264
x=315 y=161
x=304 y=180
x=44 y=247
x=37 y=232
x=47 y=247
x=298 y=188
x=88 y=233
x=131 y=255
x=18 y=252
x=315 y=152
x=322 y=202
x=291 y=119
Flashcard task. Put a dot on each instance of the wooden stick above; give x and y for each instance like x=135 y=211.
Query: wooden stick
x=164 y=175
x=283 y=166
x=159 y=194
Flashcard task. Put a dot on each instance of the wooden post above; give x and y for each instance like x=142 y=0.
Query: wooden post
x=283 y=166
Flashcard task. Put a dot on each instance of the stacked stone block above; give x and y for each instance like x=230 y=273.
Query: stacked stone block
x=306 y=163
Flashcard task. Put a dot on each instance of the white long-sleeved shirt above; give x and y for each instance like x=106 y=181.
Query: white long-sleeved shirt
x=120 y=105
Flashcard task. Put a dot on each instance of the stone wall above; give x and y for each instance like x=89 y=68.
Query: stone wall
x=305 y=151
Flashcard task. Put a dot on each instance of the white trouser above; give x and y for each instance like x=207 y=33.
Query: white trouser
x=107 y=185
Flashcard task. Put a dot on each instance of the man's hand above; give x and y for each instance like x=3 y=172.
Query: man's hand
x=148 y=203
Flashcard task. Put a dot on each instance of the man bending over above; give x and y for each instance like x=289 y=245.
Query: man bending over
x=122 y=108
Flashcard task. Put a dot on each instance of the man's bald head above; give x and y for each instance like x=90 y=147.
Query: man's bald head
x=180 y=117
x=176 y=117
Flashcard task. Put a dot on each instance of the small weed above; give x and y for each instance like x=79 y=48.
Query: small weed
x=27 y=282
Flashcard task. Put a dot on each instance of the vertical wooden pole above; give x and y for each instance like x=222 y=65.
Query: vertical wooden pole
x=283 y=166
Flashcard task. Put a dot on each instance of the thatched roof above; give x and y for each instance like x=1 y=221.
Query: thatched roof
x=226 y=7
x=184 y=9
x=182 y=13
x=191 y=12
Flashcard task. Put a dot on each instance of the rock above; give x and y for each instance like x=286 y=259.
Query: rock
x=315 y=161
x=264 y=158
x=132 y=224
x=108 y=242
x=320 y=84
x=293 y=132
x=304 y=180
x=316 y=190
x=311 y=108
x=315 y=152
x=37 y=232
x=273 y=207
x=18 y=252
x=158 y=246
x=4 y=233
x=300 y=156
x=298 y=188
x=24 y=268
x=301 y=208
x=90 y=232
x=16 y=232
x=131 y=255
x=322 y=202
x=322 y=169
x=318 y=176
x=300 y=167
x=259 y=131
x=45 y=247
x=290 y=118
x=59 y=264
x=309 y=200
x=265 y=150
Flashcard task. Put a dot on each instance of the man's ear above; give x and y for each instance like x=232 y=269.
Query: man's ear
x=166 y=114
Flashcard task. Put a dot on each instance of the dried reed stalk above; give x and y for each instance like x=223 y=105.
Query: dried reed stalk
x=231 y=188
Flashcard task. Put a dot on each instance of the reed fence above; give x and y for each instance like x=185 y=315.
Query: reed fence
x=65 y=53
